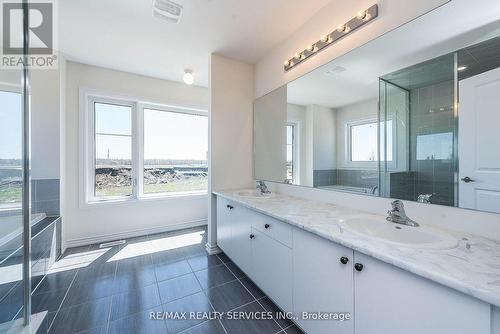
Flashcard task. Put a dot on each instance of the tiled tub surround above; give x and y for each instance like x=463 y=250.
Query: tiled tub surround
x=45 y=196
x=471 y=267
x=114 y=289
x=360 y=178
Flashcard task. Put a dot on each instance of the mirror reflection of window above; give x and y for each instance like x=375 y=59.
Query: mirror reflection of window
x=290 y=154
x=438 y=146
x=363 y=141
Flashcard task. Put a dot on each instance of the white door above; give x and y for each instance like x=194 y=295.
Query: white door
x=389 y=300
x=272 y=269
x=479 y=142
x=322 y=282
x=224 y=215
x=241 y=229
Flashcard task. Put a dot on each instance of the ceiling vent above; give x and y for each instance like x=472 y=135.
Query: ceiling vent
x=167 y=10
x=335 y=70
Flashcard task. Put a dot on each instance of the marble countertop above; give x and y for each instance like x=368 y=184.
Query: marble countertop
x=473 y=267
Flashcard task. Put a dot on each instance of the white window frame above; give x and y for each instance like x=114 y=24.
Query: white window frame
x=348 y=141
x=87 y=148
x=295 y=151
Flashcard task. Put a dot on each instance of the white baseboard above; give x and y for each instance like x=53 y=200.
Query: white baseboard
x=131 y=234
x=212 y=249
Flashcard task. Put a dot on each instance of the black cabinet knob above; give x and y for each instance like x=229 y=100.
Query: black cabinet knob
x=252 y=236
x=467 y=179
x=344 y=260
x=358 y=266
x=230 y=207
x=267 y=226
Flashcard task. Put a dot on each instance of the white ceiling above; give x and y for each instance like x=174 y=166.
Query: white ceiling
x=123 y=35
x=432 y=35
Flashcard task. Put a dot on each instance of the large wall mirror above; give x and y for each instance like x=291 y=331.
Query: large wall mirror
x=409 y=115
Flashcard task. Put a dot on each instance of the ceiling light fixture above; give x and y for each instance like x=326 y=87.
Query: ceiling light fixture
x=188 y=77
x=362 y=18
x=167 y=10
x=461 y=68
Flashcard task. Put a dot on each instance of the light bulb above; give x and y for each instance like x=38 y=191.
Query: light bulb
x=361 y=15
x=188 y=77
x=297 y=55
x=302 y=56
x=461 y=68
x=341 y=28
x=310 y=48
x=326 y=39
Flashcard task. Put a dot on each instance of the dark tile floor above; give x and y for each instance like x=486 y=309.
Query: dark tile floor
x=115 y=289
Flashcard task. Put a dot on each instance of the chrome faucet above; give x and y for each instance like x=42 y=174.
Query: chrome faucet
x=424 y=198
x=263 y=188
x=398 y=215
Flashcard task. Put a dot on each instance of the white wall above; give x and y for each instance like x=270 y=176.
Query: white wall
x=231 y=131
x=88 y=224
x=270 y=117
x=269 y=73
x=45 y=114
x=324 y=132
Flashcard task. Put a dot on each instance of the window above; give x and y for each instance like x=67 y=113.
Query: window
x=175 y=152
x=113 y=150
x=290 y=152
x=363 y=141
x=437 y=146
x=135 y=150
x=10 y=150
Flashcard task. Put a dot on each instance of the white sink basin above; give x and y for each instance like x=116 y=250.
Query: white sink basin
x=254 y=194
x=406 y=236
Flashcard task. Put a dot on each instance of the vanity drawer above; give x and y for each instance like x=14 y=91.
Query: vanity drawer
x=274 y=229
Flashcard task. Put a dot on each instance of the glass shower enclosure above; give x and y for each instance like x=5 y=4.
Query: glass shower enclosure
x=15 y=217
x=418 y=131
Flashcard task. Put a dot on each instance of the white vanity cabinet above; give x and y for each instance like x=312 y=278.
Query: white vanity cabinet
x=303 y=272
x=322 y=283
x=391 y=300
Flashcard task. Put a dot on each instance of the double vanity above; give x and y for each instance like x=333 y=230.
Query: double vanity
x=340 y=270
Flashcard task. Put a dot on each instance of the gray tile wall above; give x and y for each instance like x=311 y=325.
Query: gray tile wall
x=431 y=112
x=345 y=177
x=45 y=197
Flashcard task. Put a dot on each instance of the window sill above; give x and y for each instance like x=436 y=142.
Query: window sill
x=147 y=199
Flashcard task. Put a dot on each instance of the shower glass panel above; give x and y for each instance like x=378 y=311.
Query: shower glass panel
x=419 y=102
x=14 y=208
x=11 y=189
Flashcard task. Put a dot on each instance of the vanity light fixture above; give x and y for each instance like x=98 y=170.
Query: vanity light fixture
x=362 y=18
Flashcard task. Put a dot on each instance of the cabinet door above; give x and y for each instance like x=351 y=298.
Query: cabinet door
x=224 y=213
x=240 y=238
x=321 y=282
x=390 y=300
x=272 y=269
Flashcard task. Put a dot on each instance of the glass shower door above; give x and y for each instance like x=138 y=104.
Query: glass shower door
x=14 y=194
x=11 y=191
